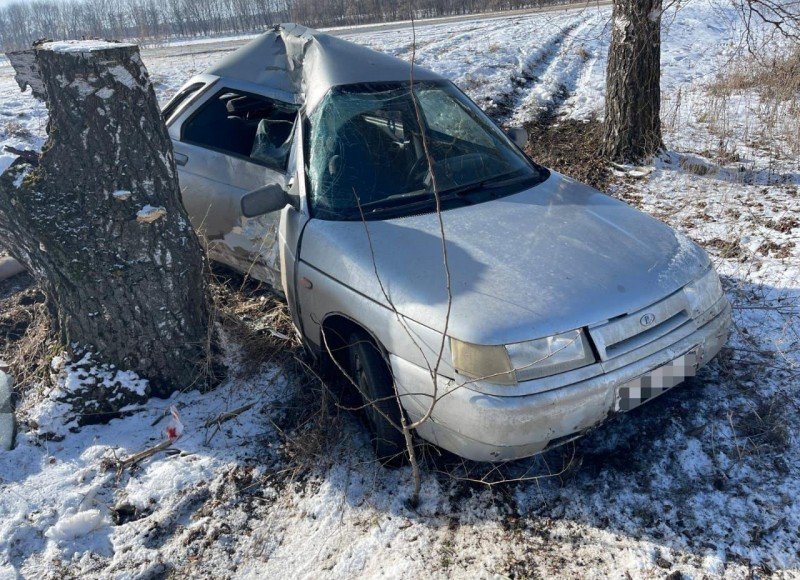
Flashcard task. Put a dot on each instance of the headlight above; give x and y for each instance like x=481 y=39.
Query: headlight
x=522 y=361
x=703 y=293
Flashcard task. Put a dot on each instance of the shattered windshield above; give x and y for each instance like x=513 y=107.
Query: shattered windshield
x=366 y=154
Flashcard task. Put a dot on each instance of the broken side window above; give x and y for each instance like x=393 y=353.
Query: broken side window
x=183 y=96
x=245 y=125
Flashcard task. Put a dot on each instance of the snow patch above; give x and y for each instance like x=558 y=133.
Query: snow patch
x=694 y=461
x=83 y=389
x=148 y=214
x=83 y=47
x=22 y=175
x=122 y=75
x=121 y=195
x=73 y=526
x=82 y=86
x=6 y=159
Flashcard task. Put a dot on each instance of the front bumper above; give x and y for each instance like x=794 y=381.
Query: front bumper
x=485 y=427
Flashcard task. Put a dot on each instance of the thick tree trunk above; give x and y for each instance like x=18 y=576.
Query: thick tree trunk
x=632 y=129
x=98 y=219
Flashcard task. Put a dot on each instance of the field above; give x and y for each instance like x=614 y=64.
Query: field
x=702 y=482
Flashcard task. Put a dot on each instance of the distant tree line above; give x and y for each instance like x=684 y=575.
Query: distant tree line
x=22 y=23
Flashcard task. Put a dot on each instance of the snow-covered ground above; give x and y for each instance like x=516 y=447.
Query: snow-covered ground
x=704 y=481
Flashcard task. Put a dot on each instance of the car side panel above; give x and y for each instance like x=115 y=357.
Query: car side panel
x=321 y=295
x=212 y=185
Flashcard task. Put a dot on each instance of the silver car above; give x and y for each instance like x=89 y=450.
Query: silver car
x=525 y=311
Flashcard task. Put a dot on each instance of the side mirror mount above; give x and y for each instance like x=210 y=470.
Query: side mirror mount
x=264 y=200
x=519 y=136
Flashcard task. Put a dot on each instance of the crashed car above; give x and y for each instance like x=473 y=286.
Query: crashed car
x=507 y=307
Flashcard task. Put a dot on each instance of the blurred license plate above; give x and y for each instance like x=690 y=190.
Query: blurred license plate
x=652 y=384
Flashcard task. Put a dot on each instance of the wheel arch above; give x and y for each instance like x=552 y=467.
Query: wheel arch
x=335 y=331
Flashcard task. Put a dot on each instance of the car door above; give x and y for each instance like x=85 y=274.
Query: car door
x=229 y=143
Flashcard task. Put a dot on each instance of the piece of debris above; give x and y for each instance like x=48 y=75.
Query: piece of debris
x=28 y=155
x=142 y=455
x=636 y=172
x=122 y=195
x=9 y=267
x=175 y=427
x=222 y=417
x=7 y=421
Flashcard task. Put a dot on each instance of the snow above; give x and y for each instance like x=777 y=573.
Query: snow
x=148 y=214
x=22 y=175
x=54 y=417
x=73 y=526
x=122 y=75
x=704 y=480
x=121 y=194
x=6 y=160
x=81 y=46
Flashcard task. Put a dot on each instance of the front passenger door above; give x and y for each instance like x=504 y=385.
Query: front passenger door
x=235 y=142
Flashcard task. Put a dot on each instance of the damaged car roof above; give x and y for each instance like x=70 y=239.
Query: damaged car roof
x=307 y=63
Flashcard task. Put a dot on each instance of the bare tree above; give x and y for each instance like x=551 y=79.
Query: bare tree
x=22 y=23
x=97 y=217
x=632 y=127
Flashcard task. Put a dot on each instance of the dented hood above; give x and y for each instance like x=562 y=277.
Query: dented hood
x=555 y=257
x=307 y=63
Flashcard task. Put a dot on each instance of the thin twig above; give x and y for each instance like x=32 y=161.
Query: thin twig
x=222 y=417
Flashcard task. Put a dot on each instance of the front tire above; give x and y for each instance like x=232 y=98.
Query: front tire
x=370 y=373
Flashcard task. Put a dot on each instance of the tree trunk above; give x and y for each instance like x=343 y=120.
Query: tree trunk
x=98 y=219
x=632 y=129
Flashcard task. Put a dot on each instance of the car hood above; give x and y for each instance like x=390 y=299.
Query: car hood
x=552 y=258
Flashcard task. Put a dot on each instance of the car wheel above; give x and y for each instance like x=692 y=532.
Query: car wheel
x=371 y=375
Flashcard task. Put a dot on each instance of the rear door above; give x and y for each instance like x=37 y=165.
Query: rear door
x=230 y=142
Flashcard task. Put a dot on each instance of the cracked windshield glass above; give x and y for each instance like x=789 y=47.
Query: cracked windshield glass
x=369 y=157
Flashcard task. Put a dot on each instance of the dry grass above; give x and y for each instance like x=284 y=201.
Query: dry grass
x=255 y=318
x=776 y=78
x=768 y=91
x=26 y=341
x=16 y=129
x=258 y=322
x=570 y=147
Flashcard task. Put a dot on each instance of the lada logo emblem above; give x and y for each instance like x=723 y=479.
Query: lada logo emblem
x=647 y=319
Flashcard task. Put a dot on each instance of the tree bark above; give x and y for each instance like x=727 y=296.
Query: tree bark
x=98 y=219
x=632 y=127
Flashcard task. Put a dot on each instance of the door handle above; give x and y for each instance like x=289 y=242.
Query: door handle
x=181 y=159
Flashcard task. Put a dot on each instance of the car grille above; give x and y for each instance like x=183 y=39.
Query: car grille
x=629 y=332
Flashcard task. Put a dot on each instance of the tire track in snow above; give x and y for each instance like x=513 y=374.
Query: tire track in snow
x=504 y=106
x=557 y=76
x=587 y=97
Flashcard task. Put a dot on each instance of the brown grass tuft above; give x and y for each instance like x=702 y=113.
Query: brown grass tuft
x=253 y=317
x=776 y=111
x=26 y=341
x=570 y=147
x=777 y=78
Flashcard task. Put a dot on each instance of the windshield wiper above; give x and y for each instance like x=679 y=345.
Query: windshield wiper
x=489 y=183
x=396 y=200
x=402 y=204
